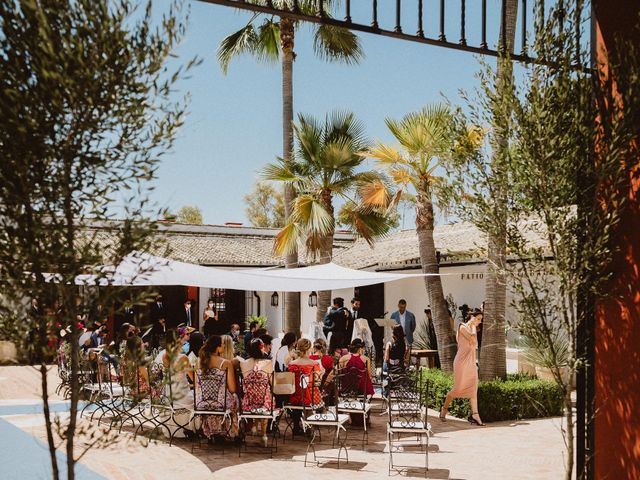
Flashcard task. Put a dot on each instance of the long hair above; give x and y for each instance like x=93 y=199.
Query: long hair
x=196 y=341
x=208 y=350
x=228 y=350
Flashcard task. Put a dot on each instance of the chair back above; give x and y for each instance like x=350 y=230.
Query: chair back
x=407 y=400
x=258 y=397
x=210 y=390
x=352 y=385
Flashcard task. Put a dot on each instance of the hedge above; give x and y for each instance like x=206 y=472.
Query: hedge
x=519 y=396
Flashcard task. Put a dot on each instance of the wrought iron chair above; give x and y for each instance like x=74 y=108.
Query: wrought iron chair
x=407 y=413
x=353 y=398
x=260 y=384
x=298 y=410
x=210 y=398
x=328 y=417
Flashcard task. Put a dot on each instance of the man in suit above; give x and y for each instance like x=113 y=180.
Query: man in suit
x=355 y=314
x=405 y=318
x=187 y=314
x=158 y=310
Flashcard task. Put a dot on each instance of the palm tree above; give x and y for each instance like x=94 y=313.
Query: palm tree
x=426 y=138
x=326 y=166
x=272 y=41
x=494 y=340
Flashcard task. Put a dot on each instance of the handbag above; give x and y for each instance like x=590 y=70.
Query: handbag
x=284 y=383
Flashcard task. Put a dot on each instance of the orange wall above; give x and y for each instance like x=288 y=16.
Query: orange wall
x=617 y=330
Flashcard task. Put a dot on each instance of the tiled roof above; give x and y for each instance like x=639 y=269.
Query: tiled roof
x=457 y=243
x=459 y=240
x=214 y=244
x=253 y=247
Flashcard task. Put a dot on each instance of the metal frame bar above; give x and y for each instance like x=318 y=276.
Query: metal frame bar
x=374 y=28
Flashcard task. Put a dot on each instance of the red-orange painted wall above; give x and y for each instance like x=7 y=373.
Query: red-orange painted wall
x=617 y=332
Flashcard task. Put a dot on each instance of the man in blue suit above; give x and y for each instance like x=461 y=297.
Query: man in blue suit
x=405 y=318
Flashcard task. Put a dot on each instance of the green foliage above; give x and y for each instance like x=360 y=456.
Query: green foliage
x=189 y=214
x=261 y=319
x=520 y=396
x=265 y=206
x=327 y=165
x=264 y=41
x=87 y=110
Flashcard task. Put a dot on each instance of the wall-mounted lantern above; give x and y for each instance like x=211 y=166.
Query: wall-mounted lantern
x=313 y=299
x=274 y=299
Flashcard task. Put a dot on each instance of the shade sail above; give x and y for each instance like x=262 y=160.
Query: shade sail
x=138 y=269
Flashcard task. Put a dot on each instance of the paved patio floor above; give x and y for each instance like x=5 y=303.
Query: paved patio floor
x=529 y=449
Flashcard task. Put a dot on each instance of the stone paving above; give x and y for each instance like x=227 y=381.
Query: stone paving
x=529 y=449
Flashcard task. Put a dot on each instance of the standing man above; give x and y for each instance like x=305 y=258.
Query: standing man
x=405 y=318
x=158 y=310
x=187 y=314
x=335 y=322
x=355 y=314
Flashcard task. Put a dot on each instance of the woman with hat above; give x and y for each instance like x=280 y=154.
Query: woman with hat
x=465 y=371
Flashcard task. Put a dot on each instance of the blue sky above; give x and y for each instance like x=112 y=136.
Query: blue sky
x=234 y=127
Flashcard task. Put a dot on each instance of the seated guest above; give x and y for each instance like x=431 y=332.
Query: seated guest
x=267 y=341
x=395 y=351
x=248 y=336
x=196 y=341
x=256 y=373
x=320 y=355
x=229 y=351
x=311 y=395
x=285 y=353
x=234 y=333
x=215 y=395
x=179 y=369
x=335 y=348
x=133 y=367
x=357 y=361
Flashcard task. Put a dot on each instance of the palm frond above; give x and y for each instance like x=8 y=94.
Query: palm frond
x=287 y=240
x=243 y=41
x=279 y=172
x=369 y=224
x=401 y=176
x=333 y=43
x=386 y=154
x=268 y=43
x=309 y=213
x=374 y=194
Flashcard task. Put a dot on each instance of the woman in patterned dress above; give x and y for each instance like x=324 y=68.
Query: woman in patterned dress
x=257 y=398
x=213 y=394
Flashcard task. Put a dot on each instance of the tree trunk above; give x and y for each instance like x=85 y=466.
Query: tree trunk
x=75 y=394
x=428 y=258
x=287 y=36
x=55 y=475
x=569 y=436
x=326 y=254
x=493 y=359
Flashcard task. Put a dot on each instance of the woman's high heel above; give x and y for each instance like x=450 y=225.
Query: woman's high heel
x=443 y=416
x=473 y=421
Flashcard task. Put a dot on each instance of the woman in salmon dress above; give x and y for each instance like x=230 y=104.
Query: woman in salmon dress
x=465 y=371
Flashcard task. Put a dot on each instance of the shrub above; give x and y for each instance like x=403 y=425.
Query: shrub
x=519 y=396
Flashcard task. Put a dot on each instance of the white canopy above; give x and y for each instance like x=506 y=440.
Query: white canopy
x=138 y=269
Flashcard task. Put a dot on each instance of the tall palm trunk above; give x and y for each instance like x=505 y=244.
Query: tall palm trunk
x=326 y=254
x=287 y=36
x=493 y=360
x=429 y=260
